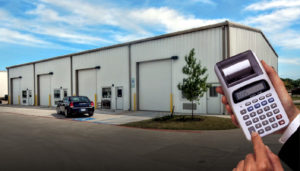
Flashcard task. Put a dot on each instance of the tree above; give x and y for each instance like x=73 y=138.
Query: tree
x=194 y=85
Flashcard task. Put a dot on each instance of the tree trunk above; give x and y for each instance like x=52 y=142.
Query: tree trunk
x=192 y=109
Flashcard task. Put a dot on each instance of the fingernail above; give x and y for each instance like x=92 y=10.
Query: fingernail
x=254 y=134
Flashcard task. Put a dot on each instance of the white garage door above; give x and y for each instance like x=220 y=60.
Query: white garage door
x=87 y=83
x=16 y=94
x=45 y=84
x=155 y=85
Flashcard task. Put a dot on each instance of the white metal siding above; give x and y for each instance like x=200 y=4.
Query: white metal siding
x=61 y=77
x=3 y=83
x=45 y=89
x=27 y=80
x=114 y=72
x=155 y=85
x=242 y=40
x=87 y=83
x=208 y=48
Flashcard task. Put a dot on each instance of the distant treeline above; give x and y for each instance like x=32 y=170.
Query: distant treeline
x=291 y=84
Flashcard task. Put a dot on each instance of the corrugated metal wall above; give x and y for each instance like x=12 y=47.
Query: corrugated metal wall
x=242 y=40
x=208 y=48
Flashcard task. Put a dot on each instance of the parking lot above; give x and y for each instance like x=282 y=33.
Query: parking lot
x=35 y=141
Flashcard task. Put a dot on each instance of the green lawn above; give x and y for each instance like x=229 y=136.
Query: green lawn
x=295 y=98
x=180 y=122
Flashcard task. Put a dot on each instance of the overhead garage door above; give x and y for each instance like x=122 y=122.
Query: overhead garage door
x=87 y=83
x=16 y=91
x=44 y=86
x=155 y=85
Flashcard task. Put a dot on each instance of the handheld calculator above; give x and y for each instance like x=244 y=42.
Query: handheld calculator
x=251 y=94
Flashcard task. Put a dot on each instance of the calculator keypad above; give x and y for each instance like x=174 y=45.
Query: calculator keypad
x=261 y=114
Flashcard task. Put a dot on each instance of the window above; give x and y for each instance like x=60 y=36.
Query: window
x=106 y=92
x=213 y=92
x=119 y=93
x=24 y=94
x=80 y=99
x=65 y=92
x=65 y=99
x=57 y=93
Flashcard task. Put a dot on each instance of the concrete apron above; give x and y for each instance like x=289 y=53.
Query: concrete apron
x=103 y=117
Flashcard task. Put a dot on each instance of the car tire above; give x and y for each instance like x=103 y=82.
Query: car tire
x=58 y=111
x=91 y=113
x=67 y=113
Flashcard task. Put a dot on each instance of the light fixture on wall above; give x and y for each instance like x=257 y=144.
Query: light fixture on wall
x=97 y=67
x=50 y=73
x=174 y=57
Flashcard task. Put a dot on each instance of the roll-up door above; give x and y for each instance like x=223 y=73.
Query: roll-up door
x=44 y=86
x=155 y=85
x=87 y=83
x=16 y=92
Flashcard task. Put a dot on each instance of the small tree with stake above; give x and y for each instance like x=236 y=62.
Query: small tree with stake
x=194 y=86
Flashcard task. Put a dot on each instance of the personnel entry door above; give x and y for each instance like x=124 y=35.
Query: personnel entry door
x=119 y=98
x=213 y=100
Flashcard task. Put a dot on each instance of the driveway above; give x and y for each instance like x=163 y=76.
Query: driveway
x=29 y=142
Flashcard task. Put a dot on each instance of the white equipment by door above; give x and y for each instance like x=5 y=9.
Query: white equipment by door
x=119 y=98
x=213 y=101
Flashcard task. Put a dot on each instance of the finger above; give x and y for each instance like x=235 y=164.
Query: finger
x=224 y=100
x=228 y=108
x=240 y=166
x=260 y=152
x=275 y=161
x=250 y=163
x=220 y=90
x=234 y=121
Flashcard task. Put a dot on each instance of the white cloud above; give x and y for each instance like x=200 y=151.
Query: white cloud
x=264 y=5
x=293 y=61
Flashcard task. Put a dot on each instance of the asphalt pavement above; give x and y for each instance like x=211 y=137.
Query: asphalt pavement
x=30 y=142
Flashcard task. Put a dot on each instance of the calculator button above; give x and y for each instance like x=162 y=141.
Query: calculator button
x=266 y=108
x=270 y=100
x=265 y=122
x=250 y=109
x=258 y=125
x=274 y=125
x=269 y=94
x=251 y=129
x=259 y=111
x=276 y=111
x=262 y=117
x=248 y=123
x=254 y=100
x=269 y=114
x=281 y=122
x=261 y=131
x=257 y=105
x=272 y=119
x=261 y=97
x=255 y=120
x=248 y=103
x=252 y=114
x=246 y=117
x=264 y=103
x=273 y=105
x=243 y=111
x=278 y=116
x=268 y=128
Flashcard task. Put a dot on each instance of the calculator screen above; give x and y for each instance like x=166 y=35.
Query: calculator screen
x=250 y=90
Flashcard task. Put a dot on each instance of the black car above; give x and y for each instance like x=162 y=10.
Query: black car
x=75 y=105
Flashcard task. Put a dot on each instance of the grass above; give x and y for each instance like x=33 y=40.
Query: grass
x=296 y=98
x=181 y=122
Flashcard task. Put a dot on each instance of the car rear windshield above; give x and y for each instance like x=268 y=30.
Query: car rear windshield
x=80 y=99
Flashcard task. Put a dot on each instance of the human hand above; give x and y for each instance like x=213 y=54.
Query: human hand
x=263 y=158
x=286 y=100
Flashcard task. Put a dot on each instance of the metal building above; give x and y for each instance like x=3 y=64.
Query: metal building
x=3 y=83
x=138 y=75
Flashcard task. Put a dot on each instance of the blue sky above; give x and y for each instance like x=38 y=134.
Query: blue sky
x=37 y=29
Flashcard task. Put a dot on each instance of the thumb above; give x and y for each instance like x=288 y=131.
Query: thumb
x=275 y=161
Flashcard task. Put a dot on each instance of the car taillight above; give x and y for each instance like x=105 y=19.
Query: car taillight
x=92 y=104
x=71 y=105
